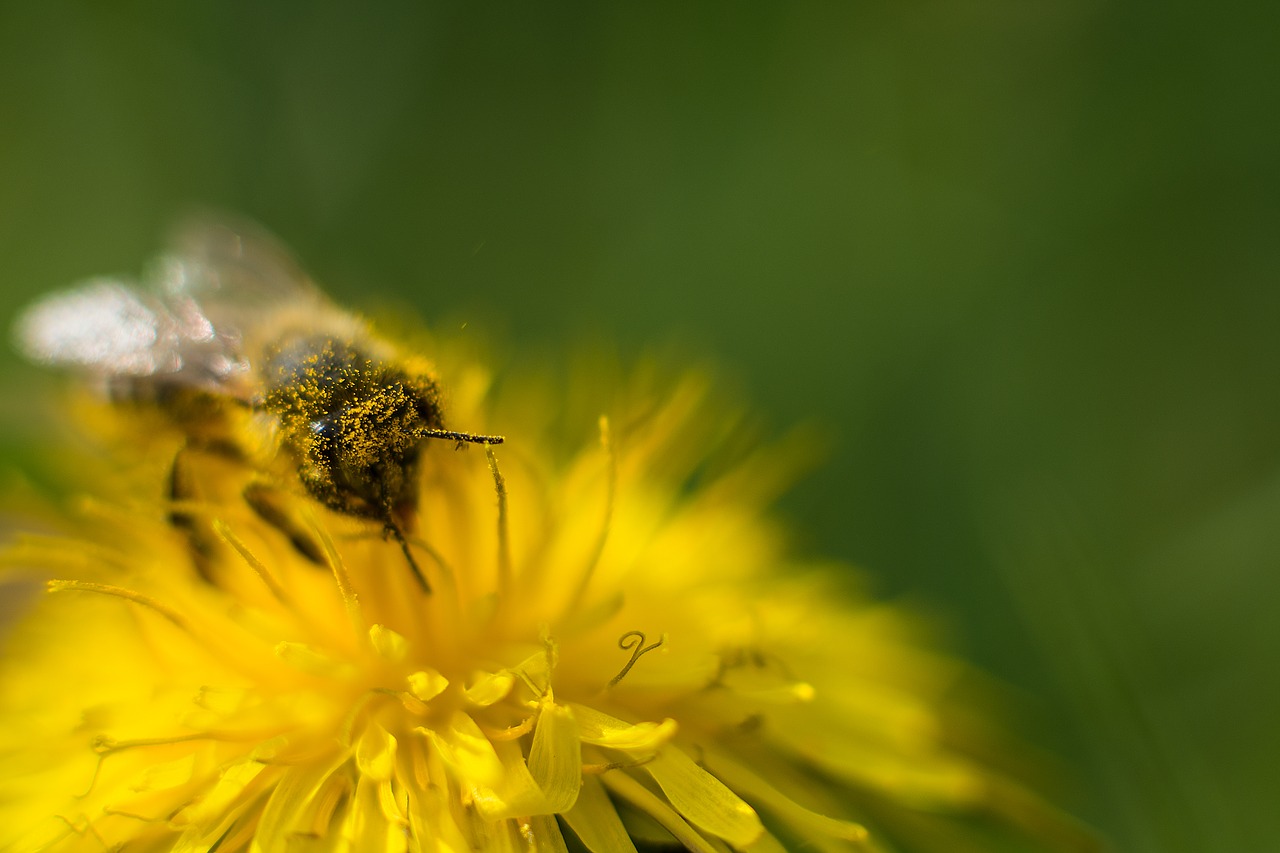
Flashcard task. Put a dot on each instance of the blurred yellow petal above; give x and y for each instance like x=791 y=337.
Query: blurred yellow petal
x=372 y=829
x=595 y=821
x=489 y=688
x=388 y=644
x=641 y=738
x=427 y=684
x=516 y=793
x=541 y=834
x=376 y=753
x=703 y=799
x=555 y=758
x=230 y=785
x=167 y=774
x=463 y=747
x=302 y=801
x=805 y=822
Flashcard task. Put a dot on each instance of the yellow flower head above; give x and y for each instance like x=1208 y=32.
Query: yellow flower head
x=608 y=649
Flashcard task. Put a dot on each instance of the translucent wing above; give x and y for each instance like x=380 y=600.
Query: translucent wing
x=103 y=325
x=210 y=302
x=238 y=274
x=109 y=330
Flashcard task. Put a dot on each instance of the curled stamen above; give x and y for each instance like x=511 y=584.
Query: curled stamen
x=633 y=641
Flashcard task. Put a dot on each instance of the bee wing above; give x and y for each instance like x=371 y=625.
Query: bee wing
x=103 y=327
x=222 y=293
x=239 y=275
x=250 y=288
x=187 y=326
x=108 y=328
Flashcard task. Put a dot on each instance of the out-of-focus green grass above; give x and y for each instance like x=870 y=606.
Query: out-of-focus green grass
x=1020 y=257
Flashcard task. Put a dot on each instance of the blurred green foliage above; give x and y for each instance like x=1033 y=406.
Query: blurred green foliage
x=1021 y=257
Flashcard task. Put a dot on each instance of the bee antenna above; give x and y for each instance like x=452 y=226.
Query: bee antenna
x=397 y=534
x=468 y=437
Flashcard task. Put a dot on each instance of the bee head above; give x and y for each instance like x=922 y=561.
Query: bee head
x=360 y=457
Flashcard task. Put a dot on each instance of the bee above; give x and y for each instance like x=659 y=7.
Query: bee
x=228 y=321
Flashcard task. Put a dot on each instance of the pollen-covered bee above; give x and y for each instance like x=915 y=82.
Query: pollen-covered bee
x=229 y=321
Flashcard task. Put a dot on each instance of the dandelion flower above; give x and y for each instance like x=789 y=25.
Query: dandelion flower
x=615 y=652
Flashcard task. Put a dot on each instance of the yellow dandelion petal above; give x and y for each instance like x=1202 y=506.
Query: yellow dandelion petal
x=433 y=811
x=427 y=684
x=806 y=822
x=489 y=688
x=555 y=757
x=516 y=792
x=376 y=753
x=388 y=644
x=594 y=819
x=302 y=803
x=465 y=750
x=662 y=813
x=313 y=661
x=642 y=739
x=231 y=785
x=372 y=826
x=703 y=799
x=541 y=834
x=166 y=774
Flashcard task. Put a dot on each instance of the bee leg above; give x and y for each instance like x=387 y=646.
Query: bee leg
x=274 y=507
x=393 y=530
x=184 y=488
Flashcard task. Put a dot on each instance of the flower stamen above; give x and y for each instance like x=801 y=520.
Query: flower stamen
x=339 y=569
x=393 y=530
x=259 y=568
x=511 y=732
x=633 y=641
x=87 y=829
x=611 y=489
x=504 y=534
x=127 y=594
x=131 y=815
x=106 y=745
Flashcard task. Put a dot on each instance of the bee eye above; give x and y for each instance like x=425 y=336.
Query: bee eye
x=323 y=428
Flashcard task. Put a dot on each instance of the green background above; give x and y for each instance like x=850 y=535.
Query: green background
x=1019 y=257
